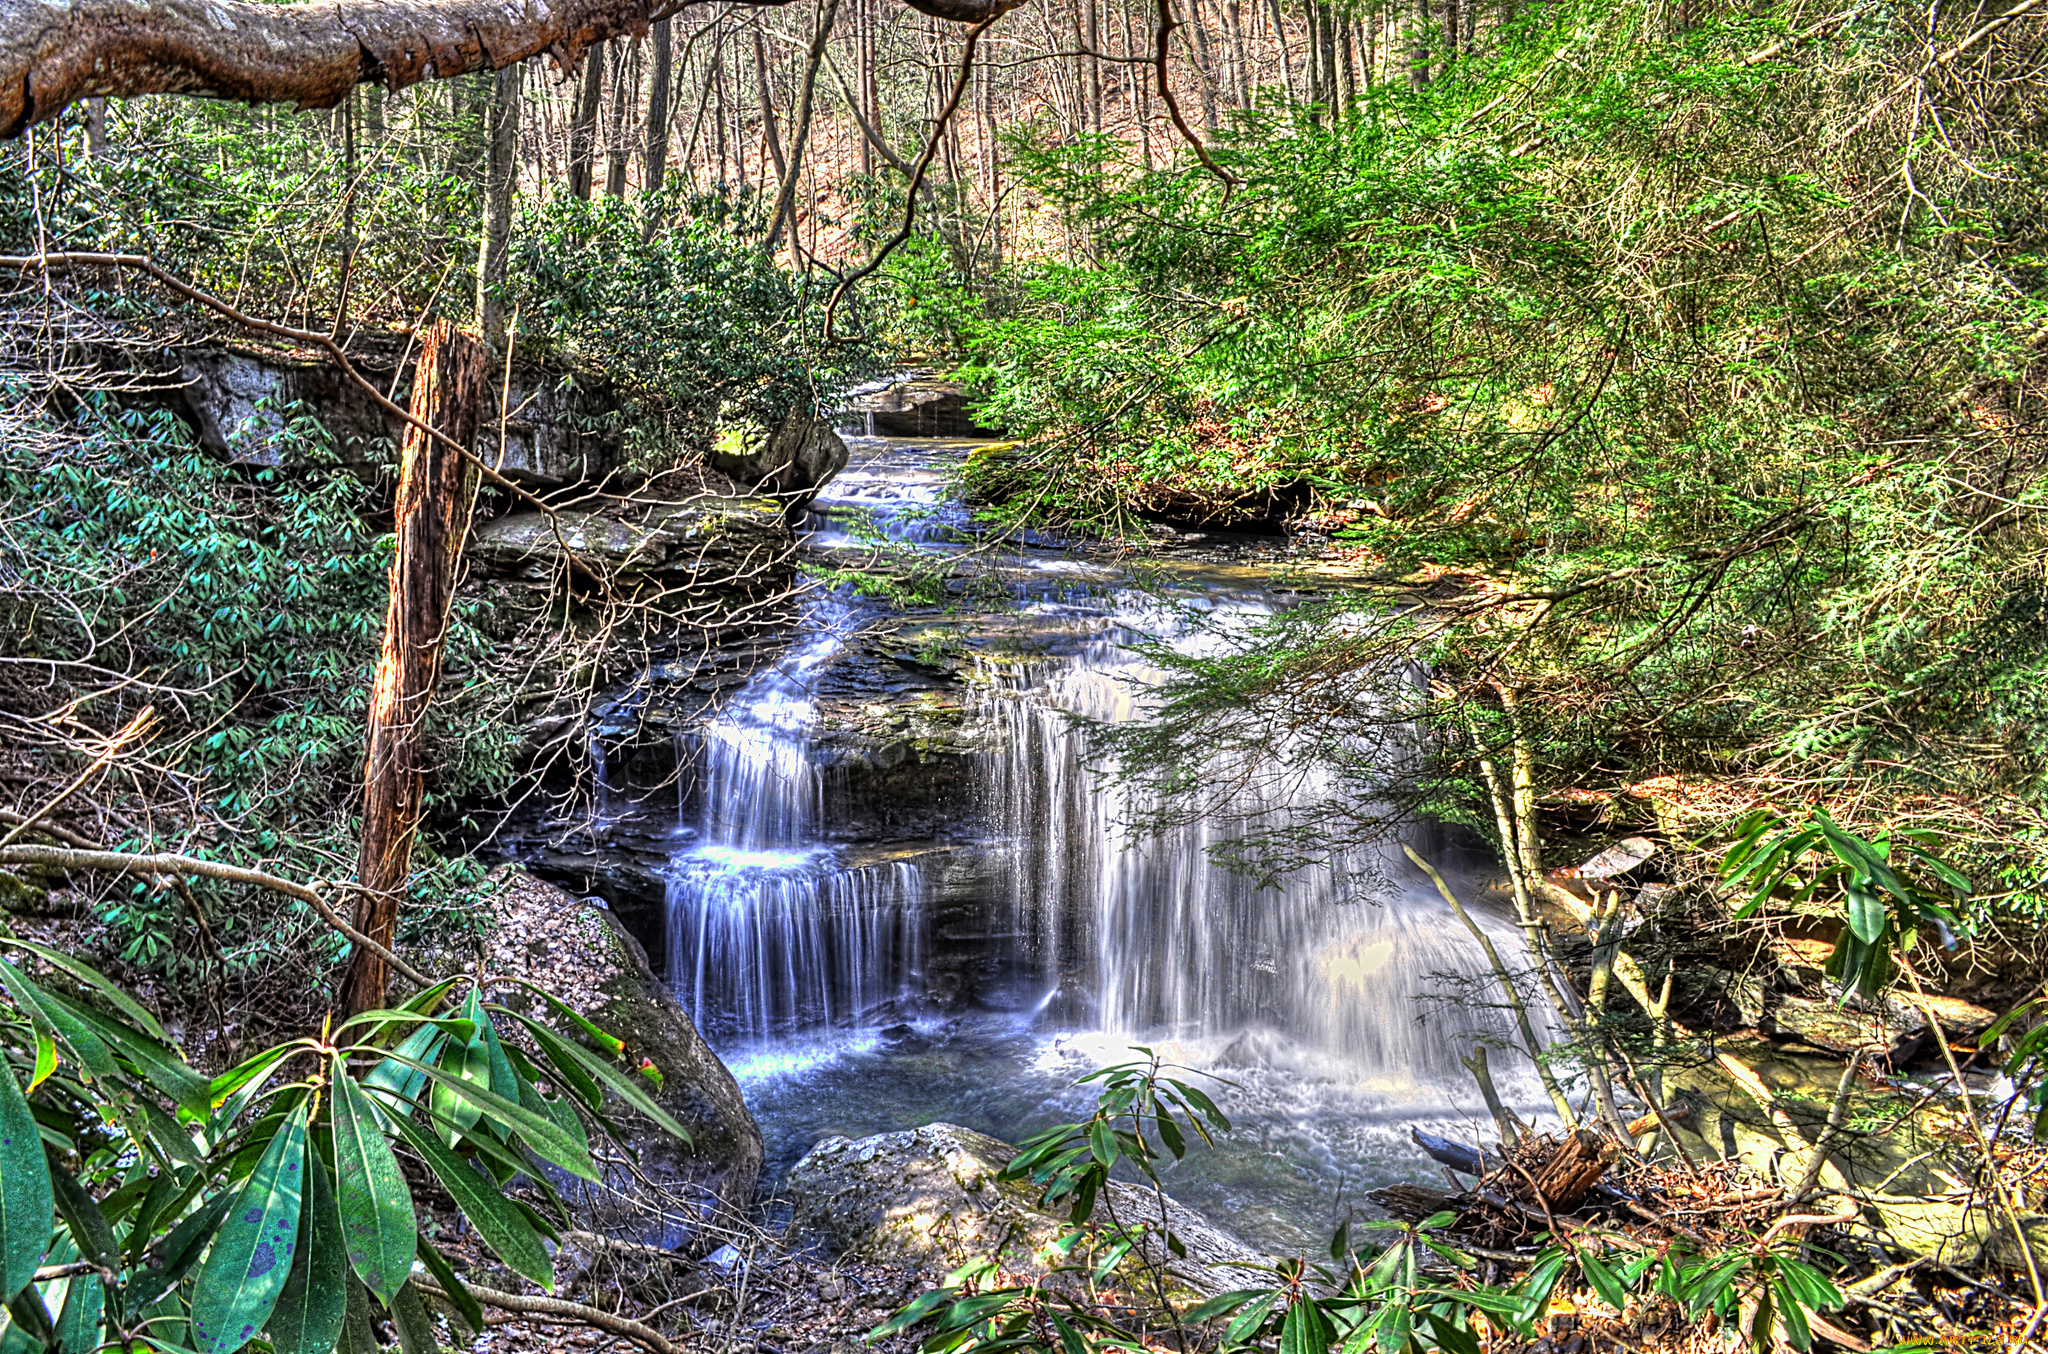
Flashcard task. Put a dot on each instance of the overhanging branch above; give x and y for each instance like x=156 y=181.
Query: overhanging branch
x=306 y=54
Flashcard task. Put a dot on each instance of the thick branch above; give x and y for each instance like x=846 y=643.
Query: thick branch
x=165 y=863
x=308 y=54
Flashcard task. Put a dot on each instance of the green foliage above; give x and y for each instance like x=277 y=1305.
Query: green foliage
x=695 y=320
x=245 y=604
x=1414 y=1294
x=255 y=1203
x=1890 y=888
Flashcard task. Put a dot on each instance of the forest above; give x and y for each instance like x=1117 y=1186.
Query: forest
x=1023 y=676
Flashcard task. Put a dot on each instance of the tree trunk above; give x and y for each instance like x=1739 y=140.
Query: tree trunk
x=785 y=201
x=432 y=512
x=770 y=131
x=657 y=106
x=1418 y=71
x=502 y=130
x=625 y=98
x=583 y=129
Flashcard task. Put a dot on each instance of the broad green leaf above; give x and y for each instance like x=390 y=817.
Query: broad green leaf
x=1866 y=913
x=459 y=1296
x=309 y=1312
x=1604 y=1281
x=251 y=1256
x=607 y=1075
x=486 y=1207
x=394 y=1084
x=78 y=1321
x=1221 y=1305
x=610 y=1043
x=1797 y=1331
x=27 y=1209
x=455 y=1114
x=540 y=1132
x=376 y=1207
x=98 y=981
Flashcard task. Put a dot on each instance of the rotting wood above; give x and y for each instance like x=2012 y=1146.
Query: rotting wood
x=449 y=389
x=1575 y=1165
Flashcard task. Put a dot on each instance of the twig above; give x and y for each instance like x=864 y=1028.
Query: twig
x=638 y=1332
x=165 y=863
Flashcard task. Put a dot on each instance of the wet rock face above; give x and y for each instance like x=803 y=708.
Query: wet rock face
x=561 y=432
x=918 y=406
x=929 y=1199
x=790 y=461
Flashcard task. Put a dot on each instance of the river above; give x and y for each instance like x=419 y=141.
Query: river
x=1318 y=1013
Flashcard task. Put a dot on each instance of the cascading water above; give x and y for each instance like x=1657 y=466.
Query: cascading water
x=768 y=933
x=809 y=974
x=1151 y=936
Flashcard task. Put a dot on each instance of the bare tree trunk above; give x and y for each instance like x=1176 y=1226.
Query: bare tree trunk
x=432 y=511
x=583 y=128
x=1092 y=35
x=768 y=127
x=1347 y=61
x=96 y=128
x=625 y=101
x=1418 y=71
x=785 y=202
x=657 y=107
x=502 y=176
x=1286 y=59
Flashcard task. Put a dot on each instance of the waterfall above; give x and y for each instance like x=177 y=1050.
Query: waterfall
x=768 y=932
x=1159 y=940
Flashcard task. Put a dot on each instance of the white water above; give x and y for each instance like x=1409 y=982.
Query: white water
x=1310 y=997
x=767 y=933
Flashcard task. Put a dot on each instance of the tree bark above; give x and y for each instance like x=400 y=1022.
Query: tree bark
x=432 y=511
x=625 y=101
x=583 y=126
x=503 y=131
x=800 y=134
x=657 y=106
x=310 y=53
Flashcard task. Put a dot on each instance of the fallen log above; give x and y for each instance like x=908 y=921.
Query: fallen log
x=1456 y=1155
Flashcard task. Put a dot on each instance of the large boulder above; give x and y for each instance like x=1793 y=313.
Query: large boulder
x=579 y=951
x=789 y=461
x=929 y=1199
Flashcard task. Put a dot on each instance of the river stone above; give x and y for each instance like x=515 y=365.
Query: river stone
x=929 y=1199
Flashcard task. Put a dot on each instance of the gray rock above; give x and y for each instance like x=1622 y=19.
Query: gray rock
x=789 y=461
x=557 y=431
x=703 y=541
x=929 y=1199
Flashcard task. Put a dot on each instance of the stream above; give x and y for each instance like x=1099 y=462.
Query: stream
x=813 y=964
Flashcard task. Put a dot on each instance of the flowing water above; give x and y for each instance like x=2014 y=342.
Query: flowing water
x=1316 y=1007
